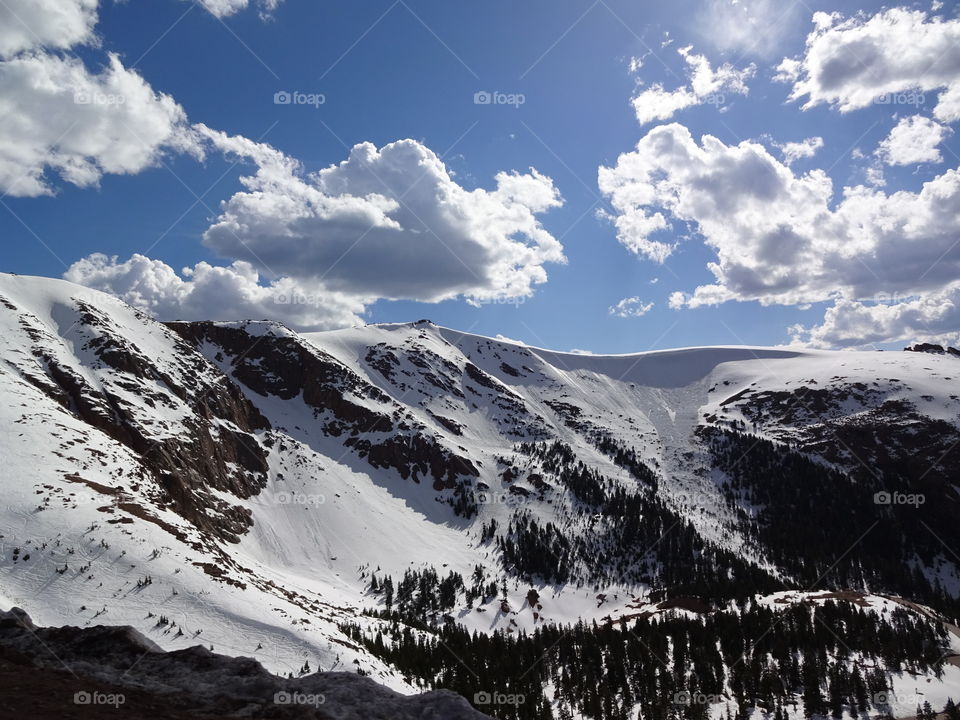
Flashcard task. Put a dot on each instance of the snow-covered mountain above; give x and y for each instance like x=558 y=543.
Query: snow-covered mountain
x=289 y=497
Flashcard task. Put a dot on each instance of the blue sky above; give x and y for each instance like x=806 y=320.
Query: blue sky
x=411 y=70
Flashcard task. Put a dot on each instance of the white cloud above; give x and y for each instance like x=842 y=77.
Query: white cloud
x=893 y=56
x=62 y=24
x=56 y=116
x=874 y=176
x=630 y=307
x=223 y=8
x=706 y=85
x=793 y=151
x=206 y=292
x=387 y=222
x=314 y=250
x=54 y=24
x=59 y=118
x=658 y=103
x=913 y=140
x=849 y=323
x=781 y=237
x=748 y=27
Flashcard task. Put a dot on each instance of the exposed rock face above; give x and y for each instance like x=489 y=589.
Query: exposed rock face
x=270 y=360
x=119 y=662
x=933 y=349
x=274 y=362
x=887 y=433
x=416 y=456
x=123 y=392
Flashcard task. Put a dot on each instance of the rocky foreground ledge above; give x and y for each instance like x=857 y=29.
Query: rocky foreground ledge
x=96 y=672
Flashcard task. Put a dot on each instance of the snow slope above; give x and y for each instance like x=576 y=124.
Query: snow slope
x=237 y=484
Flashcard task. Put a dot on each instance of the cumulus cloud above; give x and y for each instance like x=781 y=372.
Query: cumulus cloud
x=706 y=84
x=57 y=117
x=60 y=24
x=913 y=140
x=207 y=292
x=850 y=323
x=782 y=237
x=388 y=222
x=749 y=27
x=793 y=151
x=904 y=243
x=630 y=307
x=314 y=250
x=892 y=56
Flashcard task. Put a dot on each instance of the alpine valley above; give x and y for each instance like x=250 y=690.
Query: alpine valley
x=708 y=532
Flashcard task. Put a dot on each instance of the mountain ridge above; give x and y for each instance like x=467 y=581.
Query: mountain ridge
x=260 y=489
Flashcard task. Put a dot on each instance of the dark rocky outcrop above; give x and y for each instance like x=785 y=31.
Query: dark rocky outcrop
x=275 y=363
x=415 y=456
x=50 y=672
x=218 y=450
x=272 y=361
x=933 y=349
